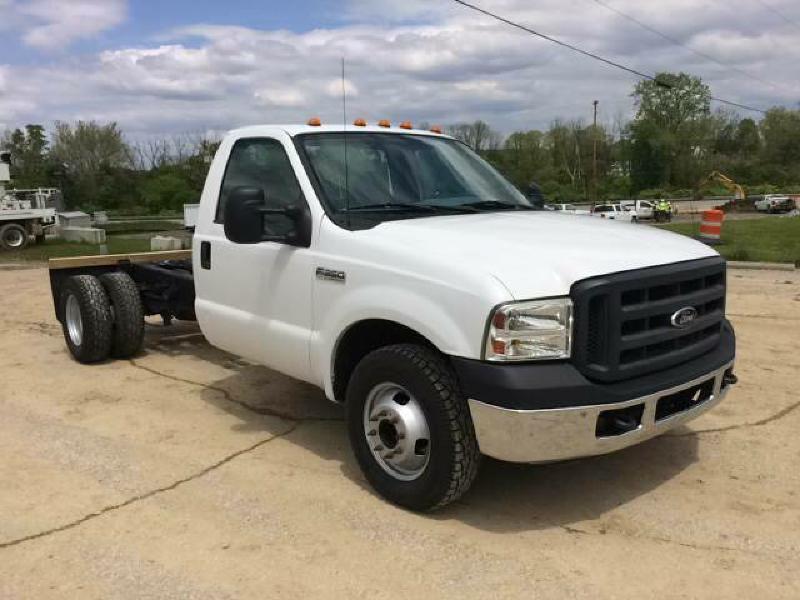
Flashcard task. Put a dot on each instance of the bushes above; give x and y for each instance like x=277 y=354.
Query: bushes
x=167 y=191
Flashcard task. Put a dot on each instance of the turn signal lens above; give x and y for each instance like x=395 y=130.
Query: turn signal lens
x=499 y=347
x=436 y=129
x=384 y=123
x=406 y=125
x=360 y=123
x=314 y=122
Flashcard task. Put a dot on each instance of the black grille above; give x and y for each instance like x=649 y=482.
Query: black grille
x=623 y=325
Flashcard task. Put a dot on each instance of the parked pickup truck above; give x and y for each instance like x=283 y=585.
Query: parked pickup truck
x=567 y=208
x=773 y=203
x=400 y=273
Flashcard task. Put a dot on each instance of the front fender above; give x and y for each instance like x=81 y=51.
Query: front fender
x=454 y=328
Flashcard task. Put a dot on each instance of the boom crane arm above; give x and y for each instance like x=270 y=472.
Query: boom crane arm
x=738 y=190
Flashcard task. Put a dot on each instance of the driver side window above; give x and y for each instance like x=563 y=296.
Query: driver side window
x=261 y=163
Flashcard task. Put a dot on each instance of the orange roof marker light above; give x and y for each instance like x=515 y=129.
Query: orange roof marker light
x=360 y=123
x=406 y=125
x=384 y=123
x=436 y=129
x=314 y=122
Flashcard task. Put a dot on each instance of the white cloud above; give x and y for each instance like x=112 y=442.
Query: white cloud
x=283 y=97
x=335 y=86
x=54 y=24
x=435 y=64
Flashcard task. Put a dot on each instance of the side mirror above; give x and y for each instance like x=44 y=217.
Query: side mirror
x=245 y=215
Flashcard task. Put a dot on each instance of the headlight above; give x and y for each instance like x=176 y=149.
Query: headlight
x=534 y=330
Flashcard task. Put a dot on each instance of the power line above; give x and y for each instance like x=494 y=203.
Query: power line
x=772 y=9
x=593 y=55
x=677 y=42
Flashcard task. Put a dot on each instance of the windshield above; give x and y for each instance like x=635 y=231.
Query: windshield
x=393 y=174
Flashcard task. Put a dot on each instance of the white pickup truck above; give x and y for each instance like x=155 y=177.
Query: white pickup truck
x=773 y=203
x=400 y=273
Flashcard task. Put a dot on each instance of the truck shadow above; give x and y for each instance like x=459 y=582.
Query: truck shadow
x=515 y=497
x=506 y=497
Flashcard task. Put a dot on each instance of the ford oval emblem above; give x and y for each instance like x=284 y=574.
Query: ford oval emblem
x=683 y=317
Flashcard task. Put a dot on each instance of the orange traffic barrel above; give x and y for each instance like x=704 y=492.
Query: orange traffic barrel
x=711 y=226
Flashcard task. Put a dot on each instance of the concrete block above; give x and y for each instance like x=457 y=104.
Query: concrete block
x=100 y=217
x=74 y=218
x=163 y=242
x=88 y=235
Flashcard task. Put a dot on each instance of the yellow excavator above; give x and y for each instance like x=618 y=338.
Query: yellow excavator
x=739 y=192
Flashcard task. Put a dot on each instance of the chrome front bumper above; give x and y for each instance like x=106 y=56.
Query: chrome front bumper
x=557 y=434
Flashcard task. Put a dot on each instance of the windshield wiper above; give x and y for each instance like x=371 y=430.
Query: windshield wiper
x=388 y=207
x=496 y=205
x=408 y=207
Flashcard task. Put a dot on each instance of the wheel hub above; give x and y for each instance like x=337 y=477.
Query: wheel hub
x=74 y=320
x=397 y=431
x=13 y=238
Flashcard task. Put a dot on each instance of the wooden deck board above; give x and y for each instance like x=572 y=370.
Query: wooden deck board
x=102 y=260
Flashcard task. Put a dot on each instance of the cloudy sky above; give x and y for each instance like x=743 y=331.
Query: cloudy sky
x=170 y=66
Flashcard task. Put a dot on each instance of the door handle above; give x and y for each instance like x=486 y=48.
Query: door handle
x=205 y=255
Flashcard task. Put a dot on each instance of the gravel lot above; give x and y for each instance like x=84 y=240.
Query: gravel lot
x=188 y=473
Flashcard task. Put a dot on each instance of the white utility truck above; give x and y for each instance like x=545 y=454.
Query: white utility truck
x=400 y=273
x=24 y=214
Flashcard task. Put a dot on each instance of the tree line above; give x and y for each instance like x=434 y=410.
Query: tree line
x=669 y=147
x=673 y=141
x=97 y=169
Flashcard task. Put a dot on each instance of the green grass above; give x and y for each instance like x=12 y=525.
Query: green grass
x=60 y=248
x=774 y=239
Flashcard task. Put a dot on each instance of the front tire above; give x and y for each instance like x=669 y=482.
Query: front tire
x=410 y=427
x=86 y=318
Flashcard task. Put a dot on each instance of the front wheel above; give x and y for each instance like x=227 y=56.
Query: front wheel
x=410 y=427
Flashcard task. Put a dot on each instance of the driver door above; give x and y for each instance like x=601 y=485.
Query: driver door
x=254 y=300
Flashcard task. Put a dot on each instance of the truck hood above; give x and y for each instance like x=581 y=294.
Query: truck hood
x=538 y=254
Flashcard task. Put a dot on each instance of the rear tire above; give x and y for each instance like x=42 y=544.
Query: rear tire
x=127 y=313
x=387 y=443
x=13 y=237
x=86 y=318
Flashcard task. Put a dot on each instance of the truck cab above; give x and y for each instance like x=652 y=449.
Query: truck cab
x=400 y=273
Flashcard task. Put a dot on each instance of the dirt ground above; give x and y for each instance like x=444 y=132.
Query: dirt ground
x=188 y=473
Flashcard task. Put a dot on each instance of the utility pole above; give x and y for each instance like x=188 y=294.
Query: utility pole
x=594 y=156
